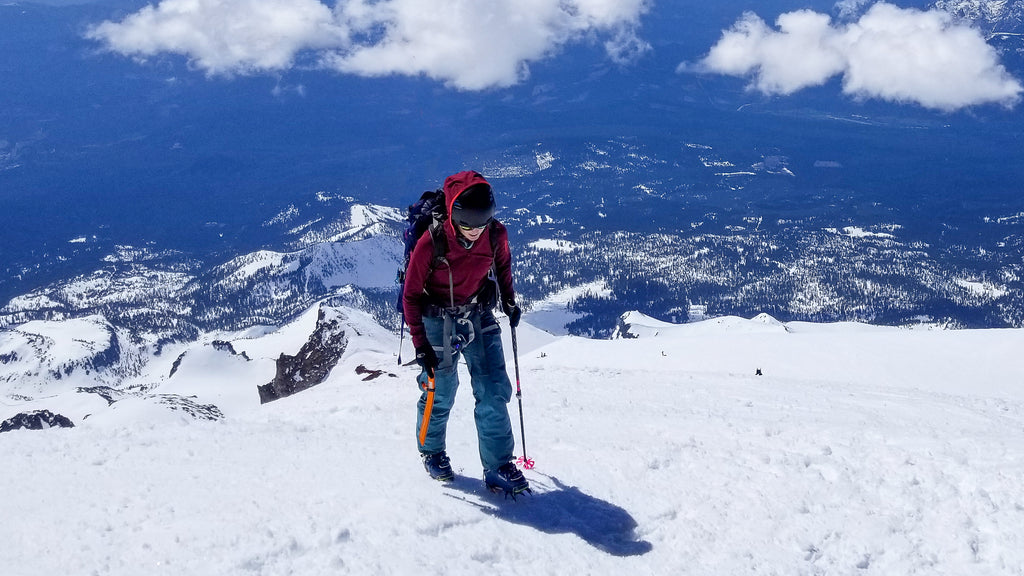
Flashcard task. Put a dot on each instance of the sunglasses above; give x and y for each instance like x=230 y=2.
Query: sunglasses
x=471 y=228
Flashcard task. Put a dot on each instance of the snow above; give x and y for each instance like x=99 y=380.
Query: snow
x=72 y=337
x=1007 y=219
x=552 y=314
x=983 y=289
x=32 y=301
x=545 y=160
x=861 y=450
x=35 y=351
x=363 y=215
x=555 y=245
x=857 y=232
x=369 y=263
x=251 y=264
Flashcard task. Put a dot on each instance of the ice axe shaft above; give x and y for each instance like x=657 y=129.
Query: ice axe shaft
x=427 y=409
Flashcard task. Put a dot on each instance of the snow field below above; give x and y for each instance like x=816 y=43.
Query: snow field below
x=661 y=455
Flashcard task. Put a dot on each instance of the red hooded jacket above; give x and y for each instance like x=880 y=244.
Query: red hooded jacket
x=469 y=266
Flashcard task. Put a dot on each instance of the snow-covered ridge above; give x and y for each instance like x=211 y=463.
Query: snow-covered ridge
x=161 y=292
x=362 y=221
x=368 y=263
x=86 y=368
x=142 y=310
x=47 y=357
x=637 y=325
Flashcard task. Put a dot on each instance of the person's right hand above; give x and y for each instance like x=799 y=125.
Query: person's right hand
x=427 y=358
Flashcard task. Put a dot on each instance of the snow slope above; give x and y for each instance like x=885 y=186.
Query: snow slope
x=861 y=450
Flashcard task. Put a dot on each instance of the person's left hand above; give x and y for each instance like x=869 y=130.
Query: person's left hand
x=512 y=311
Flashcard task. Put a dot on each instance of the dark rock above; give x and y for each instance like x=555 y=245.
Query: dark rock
x=314 y=361
x=36 y=420
x=177 y=364
x=623 y=327
x=225 y=346
x=190 y=407
x=106 y=392
x=371 y=374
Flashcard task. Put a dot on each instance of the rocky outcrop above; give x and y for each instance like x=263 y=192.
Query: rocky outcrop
x=314 y=361
x=189 y=406
x=370 y=374
x=36 y=420
x=109 y=394
x=225 y=346
x=622 y=328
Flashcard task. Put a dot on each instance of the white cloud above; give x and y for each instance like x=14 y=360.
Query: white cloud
x=890 y=53
x=799 y=55
x=225 y=36
x=465 y=43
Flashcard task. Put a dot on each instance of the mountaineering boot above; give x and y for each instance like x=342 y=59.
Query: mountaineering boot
x=508 y=479
x=438 y=466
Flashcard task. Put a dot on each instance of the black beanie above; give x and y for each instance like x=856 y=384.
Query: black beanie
x=476 y=197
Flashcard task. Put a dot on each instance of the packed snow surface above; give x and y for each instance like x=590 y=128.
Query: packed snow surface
x=859 y=450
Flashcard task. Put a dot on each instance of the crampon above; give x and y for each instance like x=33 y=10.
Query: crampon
x=506 y=479
x=513 y=493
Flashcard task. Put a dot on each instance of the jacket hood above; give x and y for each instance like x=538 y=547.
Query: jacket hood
x=455 y=185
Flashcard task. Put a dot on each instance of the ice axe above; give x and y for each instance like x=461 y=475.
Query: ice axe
x=429 y=388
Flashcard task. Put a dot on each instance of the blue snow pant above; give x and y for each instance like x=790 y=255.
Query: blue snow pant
x=492 y=389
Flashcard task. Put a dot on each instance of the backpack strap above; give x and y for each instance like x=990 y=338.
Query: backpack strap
x=440 y=243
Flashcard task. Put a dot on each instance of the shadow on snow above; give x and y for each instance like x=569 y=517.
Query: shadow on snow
x=562 y=509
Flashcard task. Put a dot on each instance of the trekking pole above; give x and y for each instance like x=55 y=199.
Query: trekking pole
x=526 y=462
x=428 y=408
x=401 y=340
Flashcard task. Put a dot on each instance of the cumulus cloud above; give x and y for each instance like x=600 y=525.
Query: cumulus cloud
x=890 y=53
x=464 y=43
x=226 y=36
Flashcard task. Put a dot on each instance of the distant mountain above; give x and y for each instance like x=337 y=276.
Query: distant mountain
x=992 y=15
x=1001 y=20
x=170 y=298
x=740 y=233
x=47 y=357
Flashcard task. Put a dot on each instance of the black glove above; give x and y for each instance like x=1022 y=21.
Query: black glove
x=512 y=311
x=426 y=358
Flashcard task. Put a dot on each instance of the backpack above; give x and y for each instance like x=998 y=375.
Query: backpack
x=429 y=214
